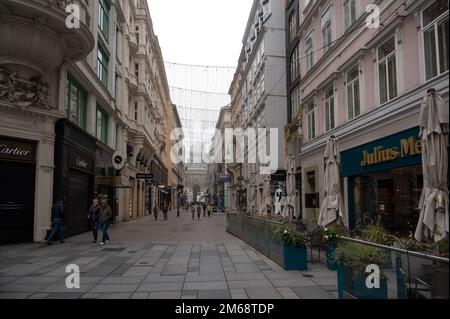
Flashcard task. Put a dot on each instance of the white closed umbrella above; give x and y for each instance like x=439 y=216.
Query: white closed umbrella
x=267 y=199
x=289 y=207
x=331 y=210
x=434 y=201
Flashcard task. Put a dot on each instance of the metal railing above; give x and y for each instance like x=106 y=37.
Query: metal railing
x=404 y=274
x=261 y=234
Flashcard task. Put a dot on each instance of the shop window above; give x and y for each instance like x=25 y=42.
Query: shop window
x=435 y=38
x=76 y=103
x=389 y=197
x=387 y=72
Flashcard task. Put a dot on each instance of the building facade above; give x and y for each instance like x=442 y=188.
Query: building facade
x=364 y=85
x=101 y=92
x=258 y=93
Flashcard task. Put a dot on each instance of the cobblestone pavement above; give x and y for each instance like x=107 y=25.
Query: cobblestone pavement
x=173 y=259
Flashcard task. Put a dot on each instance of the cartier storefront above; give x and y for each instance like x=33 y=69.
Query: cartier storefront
x=75 y=153
x=17 y=189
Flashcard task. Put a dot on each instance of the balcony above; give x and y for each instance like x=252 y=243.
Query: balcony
x=132 y=82
x=35 y=37
x=133 y=42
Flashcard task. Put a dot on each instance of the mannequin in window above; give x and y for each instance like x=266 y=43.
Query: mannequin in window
x=278 y=197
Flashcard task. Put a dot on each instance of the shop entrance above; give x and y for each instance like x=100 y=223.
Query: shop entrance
x=17 y=190
x=390 y=197
x=77 y=203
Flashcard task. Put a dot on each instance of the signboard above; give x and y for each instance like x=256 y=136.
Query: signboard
x=118 y=160
x=144 y=176
x=399 y=150
x=15 y=150
x=81 y=162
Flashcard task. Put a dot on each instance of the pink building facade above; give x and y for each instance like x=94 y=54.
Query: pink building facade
x=363 y=80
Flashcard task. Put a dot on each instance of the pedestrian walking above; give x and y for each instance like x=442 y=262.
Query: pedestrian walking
x=199 y=211
x=193 y=211
x=57 y=219
x=209 y=210
x=93 y=217
x=165 y=210
x=204 y=209
x=105 y=215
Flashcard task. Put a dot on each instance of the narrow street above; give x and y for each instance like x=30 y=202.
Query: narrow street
x=178 y=258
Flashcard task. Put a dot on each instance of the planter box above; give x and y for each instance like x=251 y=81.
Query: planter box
x=295 y=258
x=353 y=284
x=331 y=263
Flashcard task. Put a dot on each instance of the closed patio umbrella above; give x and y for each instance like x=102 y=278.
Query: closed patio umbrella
x=289 y=207
x=434 y=201
x=331 y=210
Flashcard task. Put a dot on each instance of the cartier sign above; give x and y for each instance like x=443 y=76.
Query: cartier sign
x=81 y=162
x=17 y=150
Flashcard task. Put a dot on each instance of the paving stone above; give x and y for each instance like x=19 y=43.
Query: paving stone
x=205 y=285
x=140 y=295
x=64 y=295
x=166 y=286
x=189 y=294
x=39 y=295
x=14 y=295
x=313 y=292
x=115 y=288
x=114 y=296
x=249 y=284
x=214 y=294
x=263 y=293
x=165 y=295
x=287 y=293
x=137 y=272
x=200 y=278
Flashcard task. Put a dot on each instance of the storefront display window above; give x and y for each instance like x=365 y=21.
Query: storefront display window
x=390 y=197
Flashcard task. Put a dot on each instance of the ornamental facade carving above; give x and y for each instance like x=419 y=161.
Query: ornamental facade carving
x=23 y=93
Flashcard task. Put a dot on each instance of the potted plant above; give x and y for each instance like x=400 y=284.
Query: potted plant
x=294 y=250
x=353 y=259
x=331 y=237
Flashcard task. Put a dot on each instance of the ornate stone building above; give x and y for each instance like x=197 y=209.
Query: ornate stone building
x=70 y=99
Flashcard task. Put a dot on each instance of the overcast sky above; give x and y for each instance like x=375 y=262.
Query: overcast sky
x=206 y=32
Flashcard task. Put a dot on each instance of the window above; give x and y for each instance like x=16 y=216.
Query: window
x=101 y=127
x=349 y=13
x=76 y=103
x=292 y=26
x=136 y=70
x=103 y=17
x=295 y=67
x=309 y=53
x=353 y=99
x=136 y=109
x=387 y=72
x=311 y=121
x=326 y=30
x=102 y=65
x=137 y=34
x=435 y=38
x=295 y=102
x=329 y=108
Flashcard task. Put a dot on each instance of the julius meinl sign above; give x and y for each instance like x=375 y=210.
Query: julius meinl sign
x=408 y=147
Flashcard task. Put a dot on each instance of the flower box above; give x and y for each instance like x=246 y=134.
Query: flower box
x=295 y=258
x=331 y=262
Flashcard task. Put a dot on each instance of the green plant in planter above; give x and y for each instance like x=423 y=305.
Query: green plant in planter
x=353 y=260
x=377 y=234
x=293 y=238
x=331 y=237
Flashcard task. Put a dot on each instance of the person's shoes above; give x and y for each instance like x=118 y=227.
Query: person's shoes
x=102 y=243
x=107 y=242
x=94 y=241
x=49 y=243
x=62 y=241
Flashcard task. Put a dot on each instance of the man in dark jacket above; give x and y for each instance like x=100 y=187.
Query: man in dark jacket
x=105 y=216
x=57 y=219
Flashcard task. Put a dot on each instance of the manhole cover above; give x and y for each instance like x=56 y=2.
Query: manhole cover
x=113 y=249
